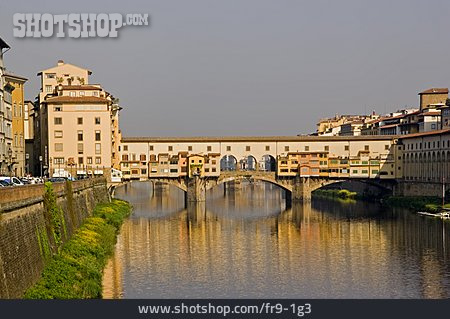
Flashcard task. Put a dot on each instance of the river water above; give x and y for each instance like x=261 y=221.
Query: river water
x=246 y=243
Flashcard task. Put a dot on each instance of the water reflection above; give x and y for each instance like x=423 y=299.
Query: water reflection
x=248 y=244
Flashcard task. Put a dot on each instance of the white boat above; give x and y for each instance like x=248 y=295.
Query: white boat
x=444 y=215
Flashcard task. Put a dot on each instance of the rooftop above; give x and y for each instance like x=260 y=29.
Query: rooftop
x=76 y=99
x=435 y=91
x=440 y=132
x=302 y=138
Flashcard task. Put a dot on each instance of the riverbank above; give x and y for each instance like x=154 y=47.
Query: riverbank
x=76 y=271
x=427 y=204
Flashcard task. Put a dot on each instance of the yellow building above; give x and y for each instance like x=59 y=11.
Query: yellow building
x=196 y=164
x=18 y=130
x=433 y=98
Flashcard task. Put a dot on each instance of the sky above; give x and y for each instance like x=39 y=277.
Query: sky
x=247 y=67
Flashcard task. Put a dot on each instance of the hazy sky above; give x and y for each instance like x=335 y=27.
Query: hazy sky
x=248 y=67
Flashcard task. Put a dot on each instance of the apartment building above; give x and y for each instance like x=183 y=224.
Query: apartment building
x=426 y=156
x=5 y=116
x=78 y=123
x=18 y=127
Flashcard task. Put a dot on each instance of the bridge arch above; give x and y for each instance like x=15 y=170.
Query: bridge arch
x=248 y=163
x=285 y=185
x=228 y=163
x=268 y=163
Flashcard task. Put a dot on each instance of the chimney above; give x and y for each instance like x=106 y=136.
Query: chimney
x=60 y=62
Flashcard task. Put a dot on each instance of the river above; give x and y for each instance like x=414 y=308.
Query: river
x=246 y=243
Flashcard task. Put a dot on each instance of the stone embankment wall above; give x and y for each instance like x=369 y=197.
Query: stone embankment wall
x=27 y=239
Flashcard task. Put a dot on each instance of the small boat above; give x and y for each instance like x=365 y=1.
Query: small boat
x=444 y=215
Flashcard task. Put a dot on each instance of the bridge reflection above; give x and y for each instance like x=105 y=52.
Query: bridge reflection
x=247 y=244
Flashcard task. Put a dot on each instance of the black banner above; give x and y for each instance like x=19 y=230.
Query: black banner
x=225 y=308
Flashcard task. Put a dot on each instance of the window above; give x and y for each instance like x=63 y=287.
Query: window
x=143 y=157
x=81 y=93
x=306 y=148
x=247 y=148
x=80 y=148
x=213 y=169
x=98 y=160
x=228 y=148
x=89 y=160
x=144 y=171
x=80 y=135
x=189 y=148
x=151 y=147
x=209 y=148
x=326 y=148
x=364 y=171
x=125 y=147
x=366 y=147
x=50 y=75
x=125 y=157
x=58 y=160
x=57 y=109
x=58 y=120
x=286 y=148
x=48 y=88
x=80 y=121
x=170 y=148
x=98 y=148
x=95 y=93
x=374 y=171
x=355 y=171
x=58 y=134
x=346 y=148
x=386 y=147
x=267 y=148
x=80 y=161
x=58 y=147
x=73 y=94
x=97 y=121
x=97 y=136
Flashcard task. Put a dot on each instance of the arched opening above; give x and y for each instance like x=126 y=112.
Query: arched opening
x=228 y=163
x=248 y=163
x=268 y=164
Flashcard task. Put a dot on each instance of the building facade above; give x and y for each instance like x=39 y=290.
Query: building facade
x=426 y=156
x=78 y=127
x=307 y=156
x=18 y=118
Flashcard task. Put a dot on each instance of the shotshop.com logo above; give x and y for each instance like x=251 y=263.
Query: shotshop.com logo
x=74 y=25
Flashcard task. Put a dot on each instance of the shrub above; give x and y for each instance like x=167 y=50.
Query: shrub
x=76 y=272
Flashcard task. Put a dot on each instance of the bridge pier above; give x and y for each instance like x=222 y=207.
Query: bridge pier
x=301 y=189
x=196 y=190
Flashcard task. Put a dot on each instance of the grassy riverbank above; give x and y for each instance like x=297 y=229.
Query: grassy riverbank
x=336 y=193
x=76 y=271
x=428 y=204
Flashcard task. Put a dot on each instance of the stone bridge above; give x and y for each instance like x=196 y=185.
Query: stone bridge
x=297 y=188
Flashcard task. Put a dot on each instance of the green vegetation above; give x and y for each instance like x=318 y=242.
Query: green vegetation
x=76 y=271
x=54 y=216
x=428 y=204
x=336 y=193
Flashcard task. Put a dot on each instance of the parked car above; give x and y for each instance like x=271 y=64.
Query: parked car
x=14 y=180
x=4 y=183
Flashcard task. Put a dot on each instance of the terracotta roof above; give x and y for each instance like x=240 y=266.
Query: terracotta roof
x=76 y=99
x=430 y=113
x=12 y=75
x=439 y=132
x=224 y=139
x=388 y=126
x=81 y=87
x=435 y=91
